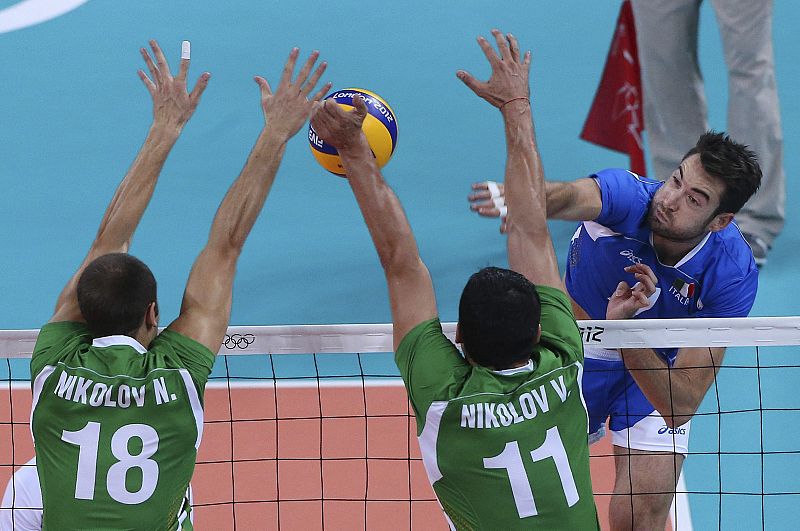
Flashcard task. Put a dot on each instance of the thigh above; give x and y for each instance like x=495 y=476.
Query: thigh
x=600 y=381
x=746 y=30
x=666 y=33
x=636 y=424
x=650 y=473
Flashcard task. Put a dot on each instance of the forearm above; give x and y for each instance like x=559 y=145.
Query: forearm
x=383 y=214
x=674 y=392
x=577 y=200
x=560 y=198
x=530 y=249
x=524 y=179
x=134 y=192
x=242 y=204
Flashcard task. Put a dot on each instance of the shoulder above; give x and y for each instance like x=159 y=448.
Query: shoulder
x=551 y=296
x=625 y=198
x=56 y=340
x=176 y=350
x=560 y=332
x=733 y=253
x=426 y=335
x=63 y=331
x=730 y=276
x=625 y=179
x=170 y=339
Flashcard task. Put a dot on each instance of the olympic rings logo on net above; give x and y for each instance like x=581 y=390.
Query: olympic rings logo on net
x=233 y=341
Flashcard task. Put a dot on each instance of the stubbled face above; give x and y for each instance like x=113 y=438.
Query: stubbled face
x=685 y=206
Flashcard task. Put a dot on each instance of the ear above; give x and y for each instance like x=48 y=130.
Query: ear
x=458 y=333
x=720 y=221
x=151 y=316
x=539 y=333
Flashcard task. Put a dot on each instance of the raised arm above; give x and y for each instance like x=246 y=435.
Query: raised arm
x=410 y=289
x=578 y=200
x=173 y=105
x=206 y=306
x=530 y=249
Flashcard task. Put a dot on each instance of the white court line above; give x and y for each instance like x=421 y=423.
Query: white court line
x=679 y=512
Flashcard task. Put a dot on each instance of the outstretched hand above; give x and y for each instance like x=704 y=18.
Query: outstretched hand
x=172 y=104
x=510 y=71
x=288 y=108
x=338 y=127
x=627 y=301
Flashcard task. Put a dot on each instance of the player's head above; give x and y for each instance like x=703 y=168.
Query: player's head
x=714 y=180
x=117 y=296
x=498 y=318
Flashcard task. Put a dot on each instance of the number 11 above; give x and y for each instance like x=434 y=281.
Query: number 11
x=511 y=459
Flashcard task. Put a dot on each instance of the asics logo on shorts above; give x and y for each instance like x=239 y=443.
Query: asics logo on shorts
x=674 y=431
x=233 y=341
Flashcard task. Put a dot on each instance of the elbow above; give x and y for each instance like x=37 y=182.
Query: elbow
x=400 y=265
x=397 y=263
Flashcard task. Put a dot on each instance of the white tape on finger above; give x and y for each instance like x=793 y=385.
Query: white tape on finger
x=186 y=50
x=497 y=198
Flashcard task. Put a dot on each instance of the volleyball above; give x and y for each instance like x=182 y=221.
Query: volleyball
x=380 y=127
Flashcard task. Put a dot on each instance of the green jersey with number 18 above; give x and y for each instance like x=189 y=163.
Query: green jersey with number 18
x=116 y=427
x=504 y=449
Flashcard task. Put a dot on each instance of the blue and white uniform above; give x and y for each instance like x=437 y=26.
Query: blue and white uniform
x=718 y=278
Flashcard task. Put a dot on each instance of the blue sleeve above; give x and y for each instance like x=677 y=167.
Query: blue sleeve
x=626 y=199
x=733 y=299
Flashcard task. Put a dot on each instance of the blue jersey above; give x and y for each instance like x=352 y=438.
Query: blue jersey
x=718 y=278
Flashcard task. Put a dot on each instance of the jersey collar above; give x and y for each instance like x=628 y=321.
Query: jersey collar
x=528 y=367
x=113 y=341
x=691 y=254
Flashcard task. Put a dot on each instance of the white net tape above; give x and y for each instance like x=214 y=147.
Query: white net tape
x=347 y=338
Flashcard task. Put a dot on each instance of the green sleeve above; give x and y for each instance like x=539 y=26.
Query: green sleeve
x=52 y=340
x=427 y=361
x=560 y=332
x=191 y=355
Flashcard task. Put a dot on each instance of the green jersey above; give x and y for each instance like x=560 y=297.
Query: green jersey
x=504 y=449
x=116 y=427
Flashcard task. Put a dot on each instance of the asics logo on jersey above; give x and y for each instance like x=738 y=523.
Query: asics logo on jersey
x=627 y=253
x=31 y=12
x=233 y=341
x=671 y=431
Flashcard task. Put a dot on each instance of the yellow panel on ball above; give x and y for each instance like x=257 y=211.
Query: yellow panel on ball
x=380 y=128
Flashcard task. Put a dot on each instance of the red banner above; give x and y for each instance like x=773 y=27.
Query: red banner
x=616 y=120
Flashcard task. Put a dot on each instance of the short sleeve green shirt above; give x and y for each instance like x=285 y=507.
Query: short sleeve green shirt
x=504 y=449
x=116 y=427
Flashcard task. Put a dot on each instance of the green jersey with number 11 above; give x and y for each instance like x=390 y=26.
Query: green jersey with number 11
x=116 y=427
x=504 y=449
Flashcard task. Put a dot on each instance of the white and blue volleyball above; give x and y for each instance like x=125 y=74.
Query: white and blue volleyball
x=380 y=128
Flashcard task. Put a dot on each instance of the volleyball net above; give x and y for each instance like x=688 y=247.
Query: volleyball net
x=309 y=427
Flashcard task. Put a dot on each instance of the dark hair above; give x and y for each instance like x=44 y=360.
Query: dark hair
x=114 y=292
x=498 y=317
x=736 y=165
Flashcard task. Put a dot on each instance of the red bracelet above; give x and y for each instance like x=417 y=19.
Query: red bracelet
x=513 y=99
